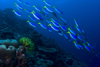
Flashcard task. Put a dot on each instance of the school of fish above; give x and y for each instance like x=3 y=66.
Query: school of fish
x=55 y=22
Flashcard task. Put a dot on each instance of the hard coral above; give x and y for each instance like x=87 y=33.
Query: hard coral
x=6 y=42
x=6 y=54
x=14 y=43
x=27 y=43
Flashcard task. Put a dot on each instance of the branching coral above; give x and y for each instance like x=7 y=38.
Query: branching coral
x=27 y=43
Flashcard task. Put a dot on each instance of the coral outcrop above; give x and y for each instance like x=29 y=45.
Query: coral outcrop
x=11 y=52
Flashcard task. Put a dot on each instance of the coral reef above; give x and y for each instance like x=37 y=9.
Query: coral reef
x=15 y=41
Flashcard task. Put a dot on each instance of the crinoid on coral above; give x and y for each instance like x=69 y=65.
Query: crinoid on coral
x=27 y=43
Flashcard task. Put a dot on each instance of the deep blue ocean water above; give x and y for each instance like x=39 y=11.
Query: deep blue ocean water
x=87 y=14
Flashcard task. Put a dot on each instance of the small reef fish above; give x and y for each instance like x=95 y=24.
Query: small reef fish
x=76 y=22
x=49 y=10
x=42 y=11
x=27 y=4
x=54 y=20
x=43 y=26
x=27 y=10
x=20 y=1
x=48 y=21
x=79 y=37
x=53 y=27
x=81 y=46
x=72 y=35
x=31 y=18
x=45 y=11
x=37 y=8
x=79 y=29
x=62 y=27
x=65 y=36
x=17 y=13
x=69 y=29
x=30 y=23
x=44 y=14
x=36 y=16
x=57 y=10
x=76 y=45
x=87 y=47
x=46 y=3
x=18 y=6
x=60 y=33
x=54 y=23
x=88 y=44
x=50 y=30
x=62 y=19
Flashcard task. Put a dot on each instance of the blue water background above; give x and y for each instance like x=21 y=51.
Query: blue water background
x=87 y=14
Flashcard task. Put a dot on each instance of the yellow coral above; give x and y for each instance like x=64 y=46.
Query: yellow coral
x=27 y=43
